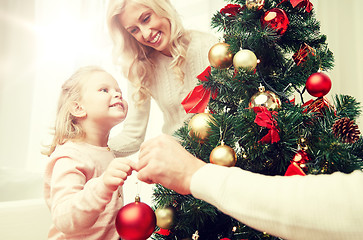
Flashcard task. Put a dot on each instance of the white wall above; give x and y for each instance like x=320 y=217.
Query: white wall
x=342 y=21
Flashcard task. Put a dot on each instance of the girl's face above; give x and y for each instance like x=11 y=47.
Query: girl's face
x=102 y=100
x=146 y=26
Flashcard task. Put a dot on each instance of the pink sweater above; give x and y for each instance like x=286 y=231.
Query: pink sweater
x=80 y=204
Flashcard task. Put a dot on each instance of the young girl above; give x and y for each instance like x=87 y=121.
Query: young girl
x=83 y=179
x=160 y=59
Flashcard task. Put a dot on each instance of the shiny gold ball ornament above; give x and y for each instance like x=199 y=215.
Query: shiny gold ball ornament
x=219 y=56
x=165 y=217
x=245 y=59
x=223 y=155
x=199 y=126
x=255 y=4
x=266 y=99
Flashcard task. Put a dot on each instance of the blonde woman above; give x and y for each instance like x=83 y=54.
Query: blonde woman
x=83 y=178
x=160 y=59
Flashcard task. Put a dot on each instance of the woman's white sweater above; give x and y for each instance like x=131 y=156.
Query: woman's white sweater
x=168 y=92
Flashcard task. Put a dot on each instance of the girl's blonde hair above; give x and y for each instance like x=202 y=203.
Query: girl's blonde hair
x=66 y=125
x=137 y=59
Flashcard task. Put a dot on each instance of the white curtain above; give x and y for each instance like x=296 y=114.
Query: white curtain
x=342 y=21
x=43 y=41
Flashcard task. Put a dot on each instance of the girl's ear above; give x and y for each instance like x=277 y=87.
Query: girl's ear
x=77 y=110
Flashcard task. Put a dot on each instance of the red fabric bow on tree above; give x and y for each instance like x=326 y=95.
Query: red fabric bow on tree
x=318 y=105
x=297 y=164
x=301 y=4
x=264 y=118
x=198 y=99
x=231 y=9
x=164 y=232
x=301 y=55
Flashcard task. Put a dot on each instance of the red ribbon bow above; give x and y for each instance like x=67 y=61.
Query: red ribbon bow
x=301 y=4
x=294 y=169
x=264 y=118
x=164 y=232
x=231 y=9
x=297 y=163
x=197 y=100
x=318 y=105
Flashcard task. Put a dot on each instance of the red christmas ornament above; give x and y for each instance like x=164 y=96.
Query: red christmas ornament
x=276 y=18
x=318 y=84
x=135 y=221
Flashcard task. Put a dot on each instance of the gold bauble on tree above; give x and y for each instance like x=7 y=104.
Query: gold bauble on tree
x=219 y=56
x=245 y=59
x=199 y=126
x=223 y=155
x=255 y=4
x=266 y=99
x=165 y=217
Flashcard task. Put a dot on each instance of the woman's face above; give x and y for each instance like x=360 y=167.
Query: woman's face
x=146 y=27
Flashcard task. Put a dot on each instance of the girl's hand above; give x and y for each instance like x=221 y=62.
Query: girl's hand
x=163 y=160
x=117 y=172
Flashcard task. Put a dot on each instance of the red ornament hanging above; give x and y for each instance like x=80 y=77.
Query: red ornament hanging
x=318 y=84
x=135 y=221
x=277 y=19
x=301 y=55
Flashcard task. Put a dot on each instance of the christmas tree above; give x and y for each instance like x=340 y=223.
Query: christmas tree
x=271 y=52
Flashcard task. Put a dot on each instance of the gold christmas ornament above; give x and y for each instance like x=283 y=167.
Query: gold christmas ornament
x=266 y=99
x=255 y=4
x=245 y=59
x=165 y=217
x=223 y=155
x=219 y=56
x=199 y=126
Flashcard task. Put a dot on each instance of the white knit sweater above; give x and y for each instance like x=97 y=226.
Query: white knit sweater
x=312 y=207
x=168 y=92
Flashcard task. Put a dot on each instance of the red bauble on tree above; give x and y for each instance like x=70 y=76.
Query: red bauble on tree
x=276 y=18
x=135 y=221
x=318 y=84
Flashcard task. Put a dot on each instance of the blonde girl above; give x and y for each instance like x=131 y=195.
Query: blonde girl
x=83 y=178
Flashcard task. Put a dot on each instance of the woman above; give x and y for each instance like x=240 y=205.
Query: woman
x=161 y=61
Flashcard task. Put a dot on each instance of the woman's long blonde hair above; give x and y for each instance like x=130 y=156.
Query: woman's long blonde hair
x=66 y=125
x=136 y=59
